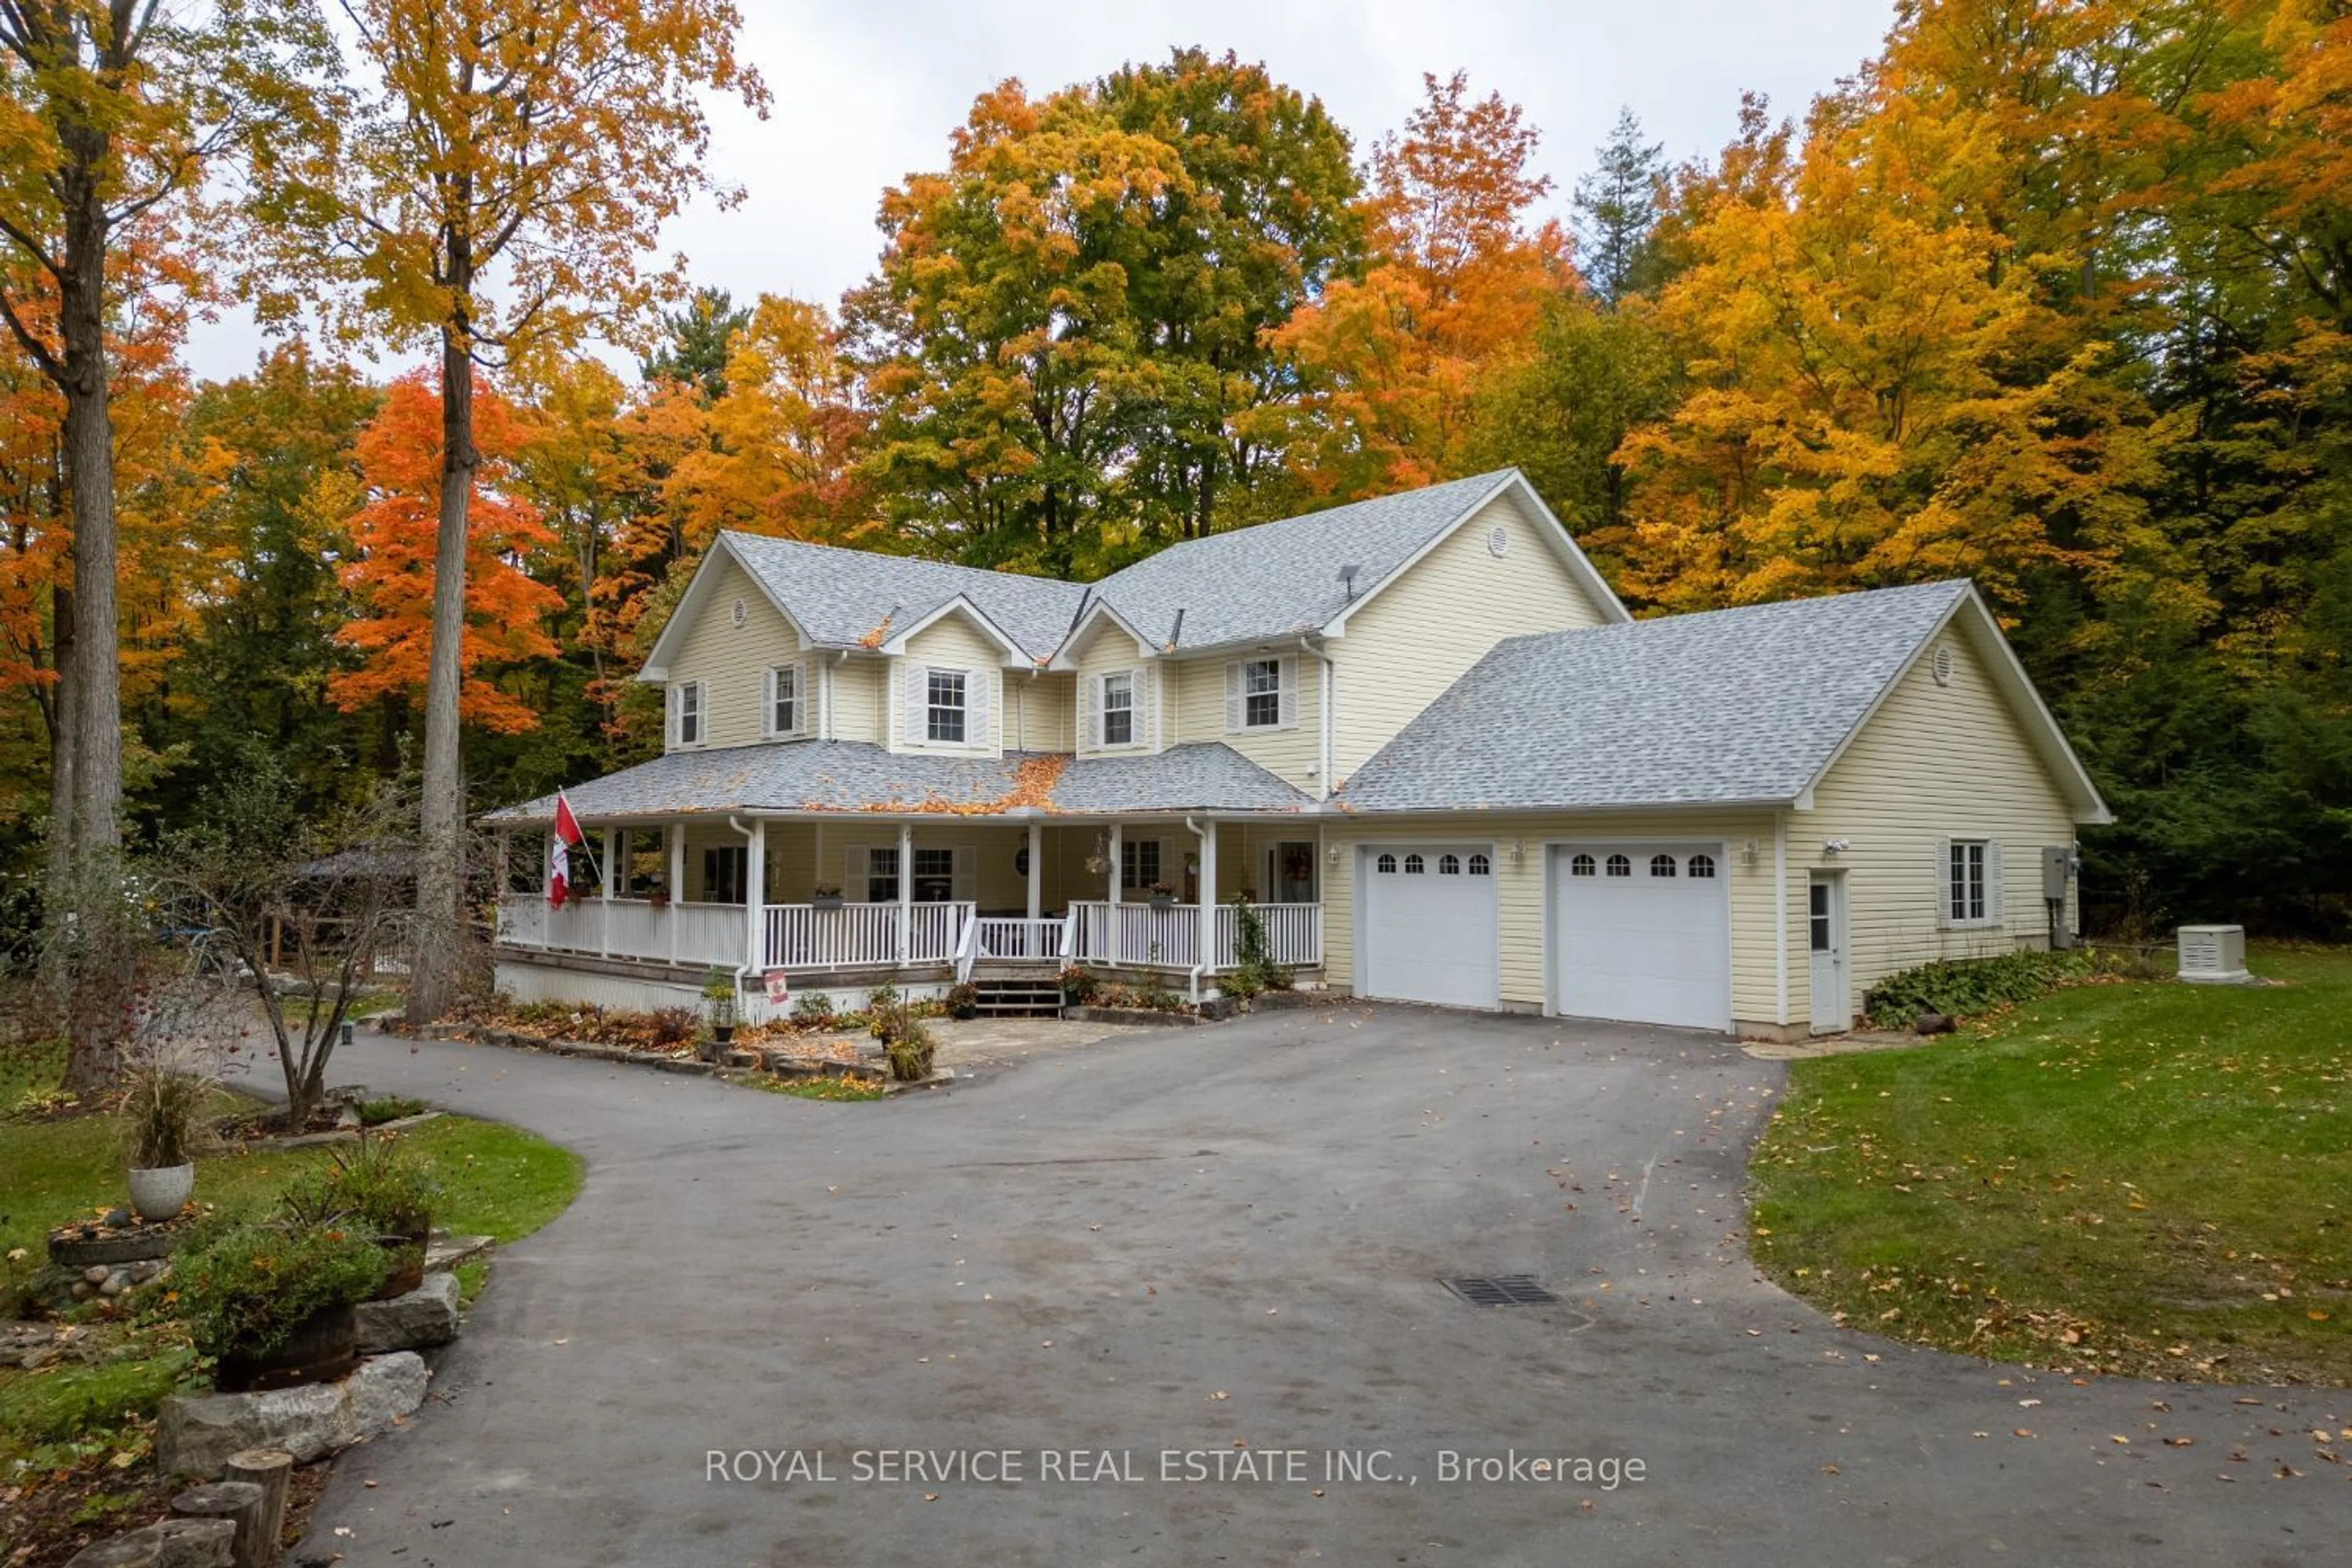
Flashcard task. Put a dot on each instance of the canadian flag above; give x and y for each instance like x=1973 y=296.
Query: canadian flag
x=567 y=838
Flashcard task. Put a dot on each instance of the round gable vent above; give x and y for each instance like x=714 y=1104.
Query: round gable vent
x=741 y=613
x=1498 y=540
x=1942 y=667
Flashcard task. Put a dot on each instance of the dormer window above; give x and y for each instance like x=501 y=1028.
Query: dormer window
x=945 y=708
x=1119 y=710
x=685 y=703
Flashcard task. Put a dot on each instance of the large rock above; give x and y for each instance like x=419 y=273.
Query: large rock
x=198 y=1432
x=173 y=1544
x=425 y=1316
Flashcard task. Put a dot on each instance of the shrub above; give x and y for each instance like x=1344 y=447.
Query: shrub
x=376 y=1187
x=388 y=1108
x=1962 y=987
x=911 y=1051
x=963 y=1001
x=254 y=1284
x=814 y=1007
x=1079 y=984
x=1253 y=971
x=674 y=1026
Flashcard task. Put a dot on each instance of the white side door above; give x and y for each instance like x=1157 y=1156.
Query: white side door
x=1833 y=1007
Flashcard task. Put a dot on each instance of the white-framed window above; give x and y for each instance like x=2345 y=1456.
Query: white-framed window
x=726 y=872
x=1414 y=866
x=943 y=704
x=1619 y=866
x=1449 y=865
x=1971 y=890
x=1262 y=693
x=881 y=876
x=787 y=712
x=1138 y=862
x=1702 y=864
x=1662 y=865
x=686 y=712
x=1119 y=708
x=1478 y=865
x=1387 y=866
x=1580 y=865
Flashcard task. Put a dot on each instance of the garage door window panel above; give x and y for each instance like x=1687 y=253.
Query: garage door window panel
x=1619 y=866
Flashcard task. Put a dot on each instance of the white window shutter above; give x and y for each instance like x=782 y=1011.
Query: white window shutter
x=1233 y=698
x=768 y=701
x=1093 y=701
x=1943 y=883
x=979 y=687
x=1142 y=683
x=1289 y=679
x=669 y=714
x=918 y=705
x=1992 y=882
x=854 y=873
x=966 y=886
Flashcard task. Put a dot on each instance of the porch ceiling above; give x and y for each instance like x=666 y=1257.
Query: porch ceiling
x=819 y=777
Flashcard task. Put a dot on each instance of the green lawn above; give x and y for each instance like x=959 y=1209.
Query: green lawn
x=496 y=1180
x=2133 y=1176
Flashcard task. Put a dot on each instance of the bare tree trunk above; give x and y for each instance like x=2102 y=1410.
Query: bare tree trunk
x=93 y=675
x=58 y=881
x=440 y=932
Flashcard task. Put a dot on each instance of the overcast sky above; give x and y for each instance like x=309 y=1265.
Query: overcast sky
x=867 y=92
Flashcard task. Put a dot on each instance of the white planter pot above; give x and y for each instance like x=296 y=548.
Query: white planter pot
x=161 y=1194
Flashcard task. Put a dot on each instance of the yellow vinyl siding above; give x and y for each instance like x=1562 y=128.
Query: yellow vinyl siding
x=952 y=642
x=1935 y=763
x=859 y=682
x=1522 y=927
x=731 y=661
x=1408 y=644
x=1037 y=711
x=1199 y=714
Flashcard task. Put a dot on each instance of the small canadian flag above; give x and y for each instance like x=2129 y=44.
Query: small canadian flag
x=567 y=838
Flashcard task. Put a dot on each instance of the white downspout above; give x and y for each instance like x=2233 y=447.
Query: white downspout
x=1323 y=719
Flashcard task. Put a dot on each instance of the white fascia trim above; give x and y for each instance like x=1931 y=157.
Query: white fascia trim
x=1015 y=656
x=1580 y=567
x=2009 y=676
x=691 y=604
x=1066 y=658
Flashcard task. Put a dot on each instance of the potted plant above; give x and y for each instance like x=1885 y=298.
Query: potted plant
x=1163 y=895
x=718 y=1006
x=825 y=897
x=963 y=1000
x=1079 y=985
x=162 y=1117
x=377 y=1189
x=272 y=1304
x=657 y=893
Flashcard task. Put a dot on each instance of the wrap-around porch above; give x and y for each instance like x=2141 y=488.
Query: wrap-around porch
x=862 y=900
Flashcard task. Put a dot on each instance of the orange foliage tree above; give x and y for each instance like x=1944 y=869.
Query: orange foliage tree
x=394 y=533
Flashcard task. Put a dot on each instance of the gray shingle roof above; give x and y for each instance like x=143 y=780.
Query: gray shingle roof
x=855 y=777
x=1731 y=705
x=1281 y=578
x=839 y=596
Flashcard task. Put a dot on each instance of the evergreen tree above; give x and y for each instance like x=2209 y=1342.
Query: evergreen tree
x=1616 y=209
x=696 y=341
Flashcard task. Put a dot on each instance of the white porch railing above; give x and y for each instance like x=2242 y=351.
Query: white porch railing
x=861 y=936
x=1019 y=940
x=700 y=934
x=1170 y=935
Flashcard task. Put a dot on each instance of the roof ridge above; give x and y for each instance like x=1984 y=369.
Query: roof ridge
x=738 y=533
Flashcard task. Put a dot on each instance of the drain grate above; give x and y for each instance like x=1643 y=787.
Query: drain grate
x=1500 y=1291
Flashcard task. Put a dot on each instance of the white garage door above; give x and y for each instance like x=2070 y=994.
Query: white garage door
x=1429 y=923
x=1642 y=933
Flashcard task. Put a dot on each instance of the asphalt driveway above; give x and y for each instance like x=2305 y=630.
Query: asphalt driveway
x=1223 y=1244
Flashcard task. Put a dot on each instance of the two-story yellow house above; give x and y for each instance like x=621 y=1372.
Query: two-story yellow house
x=1420 y=735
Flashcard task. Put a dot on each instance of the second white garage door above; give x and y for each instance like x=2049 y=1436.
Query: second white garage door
x=1429 y=923
x=1642 y=933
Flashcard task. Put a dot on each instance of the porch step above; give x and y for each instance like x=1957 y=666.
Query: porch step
x=1019 y=999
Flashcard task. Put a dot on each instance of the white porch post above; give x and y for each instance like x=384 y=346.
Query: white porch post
x=1111 y=914
x=755 y=897
x=906 y=889
x=677 y=882
x=1036 y=870
x=1208 y=910
x=604 y=892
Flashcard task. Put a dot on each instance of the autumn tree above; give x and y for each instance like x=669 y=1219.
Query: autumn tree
x=1391 y=363
x=496 y=173
x=110 y=111
x=395 y=539
x=1065 y=343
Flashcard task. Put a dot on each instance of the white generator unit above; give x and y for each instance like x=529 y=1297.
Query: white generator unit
x=2214 y=955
